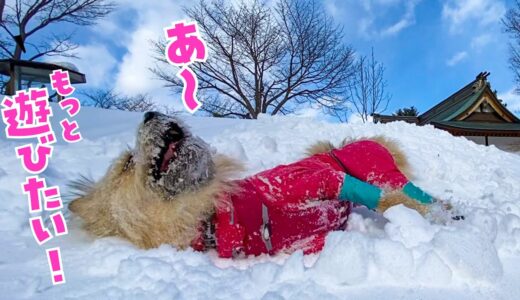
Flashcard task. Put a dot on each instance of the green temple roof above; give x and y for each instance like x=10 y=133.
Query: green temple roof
x=458 y=103
x=472 y=110
x=453 y=113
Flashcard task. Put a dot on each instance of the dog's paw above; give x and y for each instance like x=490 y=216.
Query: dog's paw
x=442 y=212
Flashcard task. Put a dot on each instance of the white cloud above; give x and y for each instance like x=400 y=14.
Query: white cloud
x=95 y=61
x=356 y=118
x=396 y=28
x=374 y=18
x=331 y=8
x=310 y=113
x=110 y=28
x=134 y=75
x=457 y=58
x=407 y=20
x=512 y=98
x=482 y=12
x=481 y=41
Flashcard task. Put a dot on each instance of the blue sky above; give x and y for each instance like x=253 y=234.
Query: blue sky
x=430 y=48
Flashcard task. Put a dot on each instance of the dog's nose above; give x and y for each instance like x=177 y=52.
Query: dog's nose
x=149 y=115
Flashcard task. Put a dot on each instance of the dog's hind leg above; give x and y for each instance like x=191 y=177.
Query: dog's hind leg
x=393 y=148
x=390 y=145
x=370 y=161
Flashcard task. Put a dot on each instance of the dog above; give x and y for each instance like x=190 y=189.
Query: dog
x=171 y=189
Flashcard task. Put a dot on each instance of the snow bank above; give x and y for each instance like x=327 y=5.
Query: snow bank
x=399 y=254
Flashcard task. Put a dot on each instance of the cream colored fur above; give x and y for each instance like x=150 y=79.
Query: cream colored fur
x=389 y=144
x=397 y=197
x=122 y=205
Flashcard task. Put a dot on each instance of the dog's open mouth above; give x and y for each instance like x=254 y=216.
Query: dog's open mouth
x=172 y=141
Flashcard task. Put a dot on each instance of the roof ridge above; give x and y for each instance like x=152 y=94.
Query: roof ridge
x=451 y=100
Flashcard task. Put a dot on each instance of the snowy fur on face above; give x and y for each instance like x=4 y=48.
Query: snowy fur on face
x=192 y=166
x=147 y=208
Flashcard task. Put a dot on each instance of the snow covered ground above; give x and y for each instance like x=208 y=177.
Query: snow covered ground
x=398 y=256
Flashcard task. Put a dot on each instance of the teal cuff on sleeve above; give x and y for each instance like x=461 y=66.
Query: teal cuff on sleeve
x=416 y=193
x=359 y=192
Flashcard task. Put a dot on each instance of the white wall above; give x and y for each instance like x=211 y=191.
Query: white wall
x=505 y=143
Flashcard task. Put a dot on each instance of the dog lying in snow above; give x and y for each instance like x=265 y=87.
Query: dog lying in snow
x=170 y=189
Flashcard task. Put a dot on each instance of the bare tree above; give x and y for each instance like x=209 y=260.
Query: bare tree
x=25 y=21
x=2 y=6
x=265 y=59
x=512 y=26
x=367 y=93
x=109 y=99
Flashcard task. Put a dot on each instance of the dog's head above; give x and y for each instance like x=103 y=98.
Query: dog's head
x=157 y=192
x=169 y=158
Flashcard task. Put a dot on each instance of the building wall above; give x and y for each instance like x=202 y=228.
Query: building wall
x=504 y=143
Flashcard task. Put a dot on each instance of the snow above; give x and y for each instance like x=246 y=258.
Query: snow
x=398 y=255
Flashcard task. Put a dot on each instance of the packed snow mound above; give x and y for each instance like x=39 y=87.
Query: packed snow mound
x=398 y=255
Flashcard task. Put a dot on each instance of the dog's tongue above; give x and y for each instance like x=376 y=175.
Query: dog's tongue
x=170 y=153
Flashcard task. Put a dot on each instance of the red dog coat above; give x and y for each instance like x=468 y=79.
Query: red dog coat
x=294 y=206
